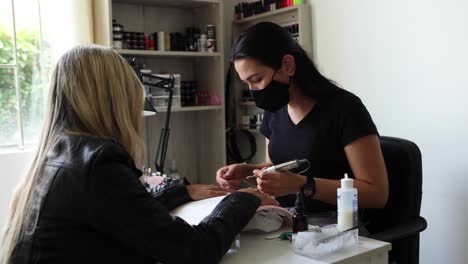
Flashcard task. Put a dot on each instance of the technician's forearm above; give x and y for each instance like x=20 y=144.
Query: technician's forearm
x=369 y=196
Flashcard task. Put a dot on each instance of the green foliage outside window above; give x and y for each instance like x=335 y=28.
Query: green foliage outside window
x=32 y=73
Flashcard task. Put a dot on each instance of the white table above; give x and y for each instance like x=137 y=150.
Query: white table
x=255 y=249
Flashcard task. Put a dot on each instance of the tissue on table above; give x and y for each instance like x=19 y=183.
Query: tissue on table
x=327 y=240
x=269 y=218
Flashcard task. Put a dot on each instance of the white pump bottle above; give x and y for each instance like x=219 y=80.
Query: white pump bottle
x=347 y=204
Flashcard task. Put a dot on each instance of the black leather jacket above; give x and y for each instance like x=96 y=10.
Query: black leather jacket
x=93 y=209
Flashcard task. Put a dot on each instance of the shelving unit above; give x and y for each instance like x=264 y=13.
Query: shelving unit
x=191 y=108
x=262 y=17
x=155 y=53
x=298 y=14
x=250 y=103
x=197 y=137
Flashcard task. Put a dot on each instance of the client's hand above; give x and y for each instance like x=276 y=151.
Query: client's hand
x=265 y=199
x=204 y=191
x=231 y=176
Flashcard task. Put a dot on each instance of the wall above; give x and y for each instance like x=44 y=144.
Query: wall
x=12 y=167
x=407 y=60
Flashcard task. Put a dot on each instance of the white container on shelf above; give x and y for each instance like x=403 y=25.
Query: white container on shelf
x=203 y=42
x=163 y=101
x=161 y=41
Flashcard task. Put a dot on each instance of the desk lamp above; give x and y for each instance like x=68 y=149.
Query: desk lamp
x=166 y=84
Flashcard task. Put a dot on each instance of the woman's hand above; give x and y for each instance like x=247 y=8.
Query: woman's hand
x=279 y=183
x=230 y=177
x=205 y=191
x=264 y=199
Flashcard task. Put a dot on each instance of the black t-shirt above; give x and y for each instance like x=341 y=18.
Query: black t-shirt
x=320 y=138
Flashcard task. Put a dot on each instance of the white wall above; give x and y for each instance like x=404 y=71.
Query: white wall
x=408 y=61
x=12 y=168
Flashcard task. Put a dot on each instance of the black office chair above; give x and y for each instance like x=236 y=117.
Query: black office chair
x=399 y=221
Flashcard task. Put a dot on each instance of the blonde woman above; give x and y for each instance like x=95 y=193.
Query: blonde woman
x=82 y=202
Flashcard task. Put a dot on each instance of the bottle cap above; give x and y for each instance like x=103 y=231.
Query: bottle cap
x=346 y=182
x=299 y=206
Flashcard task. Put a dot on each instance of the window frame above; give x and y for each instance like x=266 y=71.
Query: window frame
x=20 y=145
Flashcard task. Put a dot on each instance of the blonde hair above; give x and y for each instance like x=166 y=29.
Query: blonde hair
x=94 y=92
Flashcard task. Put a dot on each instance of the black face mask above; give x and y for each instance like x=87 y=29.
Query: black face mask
x=273 y=97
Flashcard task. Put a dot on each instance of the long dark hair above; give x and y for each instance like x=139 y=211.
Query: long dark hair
x=268 y=42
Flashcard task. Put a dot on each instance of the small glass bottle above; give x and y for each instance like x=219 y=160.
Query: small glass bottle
x=299 y=218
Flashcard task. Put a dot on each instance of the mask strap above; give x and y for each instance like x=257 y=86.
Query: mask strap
x=273 y=76
x=274 y=73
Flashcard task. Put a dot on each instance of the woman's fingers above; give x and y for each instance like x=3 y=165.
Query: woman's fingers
x=266 y=175
x=266 y=182
x=267 y=191
x=201 y=191
x=215 y=188
x=218 y=193
x=221 y=173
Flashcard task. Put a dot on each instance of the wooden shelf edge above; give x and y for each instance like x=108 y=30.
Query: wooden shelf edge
x=268 y=14
x=157 y=53
x=190 y=108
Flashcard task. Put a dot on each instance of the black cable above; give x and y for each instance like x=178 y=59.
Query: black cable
x=233 y=137
x=230 y=120
x=233 y=134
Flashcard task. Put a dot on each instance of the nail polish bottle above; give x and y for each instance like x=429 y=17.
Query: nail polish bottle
x=299 y=218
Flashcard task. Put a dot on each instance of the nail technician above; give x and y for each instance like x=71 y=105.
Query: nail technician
x=308 y=117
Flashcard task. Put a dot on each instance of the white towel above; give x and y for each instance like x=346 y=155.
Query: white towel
x=268 y=218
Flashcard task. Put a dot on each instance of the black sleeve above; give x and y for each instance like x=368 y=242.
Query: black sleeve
x=172 y=194
x=119 y=206
x=265 y=126
x=355 y=121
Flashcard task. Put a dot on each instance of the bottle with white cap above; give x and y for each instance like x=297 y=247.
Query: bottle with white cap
x=174 y=174
x=347 y=204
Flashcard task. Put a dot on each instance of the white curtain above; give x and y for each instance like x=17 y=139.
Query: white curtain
x=66 y=23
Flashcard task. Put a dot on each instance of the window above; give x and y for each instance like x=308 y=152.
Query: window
x=23 y=73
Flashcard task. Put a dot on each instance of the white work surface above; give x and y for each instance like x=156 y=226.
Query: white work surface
x=255 y=249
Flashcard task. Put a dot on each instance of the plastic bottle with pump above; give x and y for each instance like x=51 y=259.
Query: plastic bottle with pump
x=347 y=204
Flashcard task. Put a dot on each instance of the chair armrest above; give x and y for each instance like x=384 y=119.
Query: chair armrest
x=401 y=231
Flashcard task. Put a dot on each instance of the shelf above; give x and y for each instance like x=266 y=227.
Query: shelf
x=251 y=130
x=156 y=53
x=191 y=127
x=189 y=108
x=268 y=14
x=172 y=3
x=254 y=131
x=251 y=103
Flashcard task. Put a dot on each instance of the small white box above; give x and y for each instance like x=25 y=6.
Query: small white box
x=162 y=92
x=160 y=97
x=162 y=101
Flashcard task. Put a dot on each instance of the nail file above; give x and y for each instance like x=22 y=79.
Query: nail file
x=283 y=167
